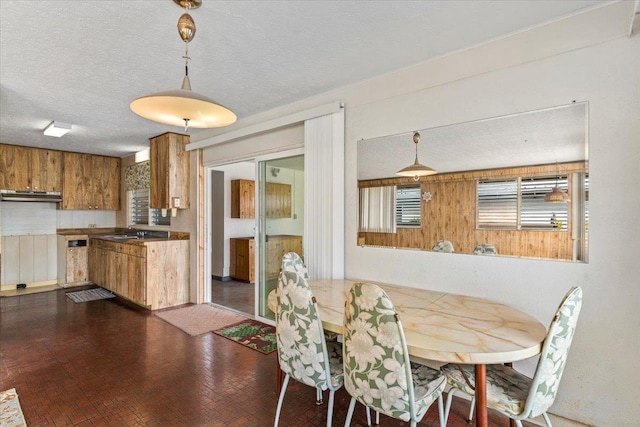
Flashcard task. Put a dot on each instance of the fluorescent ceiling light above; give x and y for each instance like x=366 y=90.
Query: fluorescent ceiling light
x=57 y=129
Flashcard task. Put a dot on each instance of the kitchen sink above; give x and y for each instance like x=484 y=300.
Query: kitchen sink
x=120 y=237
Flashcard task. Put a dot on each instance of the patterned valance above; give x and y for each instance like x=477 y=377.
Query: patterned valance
x=137 y=176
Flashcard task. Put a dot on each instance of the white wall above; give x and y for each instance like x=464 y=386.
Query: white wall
x=600 y=385
x=20 y=218
x=235 y=227
x=585 y=58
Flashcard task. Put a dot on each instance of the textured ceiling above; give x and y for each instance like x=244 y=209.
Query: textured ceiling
x=83 y=62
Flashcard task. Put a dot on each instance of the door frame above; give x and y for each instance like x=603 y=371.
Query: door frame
x=206 y=295
x=271 y=156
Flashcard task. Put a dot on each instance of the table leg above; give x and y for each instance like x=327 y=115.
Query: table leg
x=481 y=396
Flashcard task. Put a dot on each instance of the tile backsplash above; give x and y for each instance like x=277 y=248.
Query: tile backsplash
x=19 y=218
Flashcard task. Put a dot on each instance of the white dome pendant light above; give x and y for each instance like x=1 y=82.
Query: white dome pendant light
x=416 y=170
x=183 y=107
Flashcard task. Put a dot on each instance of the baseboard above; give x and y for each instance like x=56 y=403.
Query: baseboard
x=222 y=279
x=12 y=286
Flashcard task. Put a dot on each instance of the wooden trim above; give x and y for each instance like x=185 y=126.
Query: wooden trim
x=538 y=170
x=200 y=279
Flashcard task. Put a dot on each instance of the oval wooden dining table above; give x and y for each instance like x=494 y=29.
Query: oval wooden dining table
x=444 y=328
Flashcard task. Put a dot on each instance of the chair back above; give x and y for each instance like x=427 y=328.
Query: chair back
x=375 y=357
x=302 y=350
x=553 y=358
x=291 y=261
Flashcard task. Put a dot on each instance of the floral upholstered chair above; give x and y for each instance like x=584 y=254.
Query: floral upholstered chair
x=303 y=352
x=377 y=369
x=513 y=394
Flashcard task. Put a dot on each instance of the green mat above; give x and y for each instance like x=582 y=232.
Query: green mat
x=251 y=333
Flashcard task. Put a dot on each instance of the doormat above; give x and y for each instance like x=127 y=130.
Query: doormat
x=10 y=411
x=199 y=319
x=89 y=295
x=253 y=334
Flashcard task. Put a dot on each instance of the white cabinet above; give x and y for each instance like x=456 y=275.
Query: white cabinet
x=29 y=259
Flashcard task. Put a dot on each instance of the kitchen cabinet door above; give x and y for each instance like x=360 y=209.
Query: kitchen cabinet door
x=136 y=268
x=106 y=183
x=45 y=173
x=278 y=200
x=91 y=182
x=169 y=171
x=242 y=259
x=14 y=167
x=243 y=198
x=26 y=168
x=77 y=264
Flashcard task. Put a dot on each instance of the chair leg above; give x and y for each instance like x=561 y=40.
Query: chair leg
x=447 y=408
x=281 y=399
x=319 y=396
x=377 y=421
x=518 y=423
x=330 y=409
x=471 y=410
x=441 y=411
x=352 y=405
x=546 y=419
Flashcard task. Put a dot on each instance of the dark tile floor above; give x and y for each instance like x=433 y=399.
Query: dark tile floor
x=109 y=363
x=236 y=295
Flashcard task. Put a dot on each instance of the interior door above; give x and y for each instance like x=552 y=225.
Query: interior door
x=280 y=195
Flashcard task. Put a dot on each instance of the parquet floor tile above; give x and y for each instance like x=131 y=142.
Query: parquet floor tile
x=109 y=363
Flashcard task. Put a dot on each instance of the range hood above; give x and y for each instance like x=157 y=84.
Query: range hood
x=30 y=196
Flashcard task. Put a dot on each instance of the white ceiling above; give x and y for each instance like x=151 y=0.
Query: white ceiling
x=83 y=62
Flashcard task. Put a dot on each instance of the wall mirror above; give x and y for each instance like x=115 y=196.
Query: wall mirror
x=515 y=185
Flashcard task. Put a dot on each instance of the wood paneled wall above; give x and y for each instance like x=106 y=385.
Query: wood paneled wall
x=451 y=215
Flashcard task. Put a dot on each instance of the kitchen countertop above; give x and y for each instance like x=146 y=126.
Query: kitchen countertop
x=103 y=233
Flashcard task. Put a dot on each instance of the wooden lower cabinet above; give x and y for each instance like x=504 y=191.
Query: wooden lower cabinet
x=277 y=246
x=154 y=275
x=73 y=260
x=242 y=259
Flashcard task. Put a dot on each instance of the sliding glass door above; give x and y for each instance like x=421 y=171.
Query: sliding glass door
x=280 y=223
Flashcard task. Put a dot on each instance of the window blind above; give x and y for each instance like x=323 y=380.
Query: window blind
x=497 y=204
x=408 y=206
x=377 y=209
x=519 y=204
x=535 y=213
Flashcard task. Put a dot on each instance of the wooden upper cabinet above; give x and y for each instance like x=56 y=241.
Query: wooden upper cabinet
x=91 y=182
x=106 y=189
x=27 y=168
x=278 y=200
x=243 y=198
x=169 y=172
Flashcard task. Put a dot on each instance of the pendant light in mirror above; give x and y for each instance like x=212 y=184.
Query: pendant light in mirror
x=557 y=195
x=184 y=107
x=416 y=170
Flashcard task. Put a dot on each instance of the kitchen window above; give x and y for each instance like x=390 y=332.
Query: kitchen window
x=141 y=214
